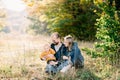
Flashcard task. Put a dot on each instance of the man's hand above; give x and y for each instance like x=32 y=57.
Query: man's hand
x=65 y=58
x=53 y=63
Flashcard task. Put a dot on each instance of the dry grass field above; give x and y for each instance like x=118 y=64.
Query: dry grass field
x=20 y=61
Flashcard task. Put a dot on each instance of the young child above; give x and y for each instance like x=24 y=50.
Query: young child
x=48 y=55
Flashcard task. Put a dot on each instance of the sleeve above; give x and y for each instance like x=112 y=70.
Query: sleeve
x=52 y=51
x=52 y=46
x=64 y=51
x=72 y=57
x=74 y=53
x=78 y=55
x=41 y=55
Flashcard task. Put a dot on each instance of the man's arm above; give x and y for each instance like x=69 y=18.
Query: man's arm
x=64 y=51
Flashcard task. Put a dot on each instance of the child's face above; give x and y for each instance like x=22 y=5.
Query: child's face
x=46 y=47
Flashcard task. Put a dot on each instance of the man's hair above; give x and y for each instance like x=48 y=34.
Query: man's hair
x=56 y=34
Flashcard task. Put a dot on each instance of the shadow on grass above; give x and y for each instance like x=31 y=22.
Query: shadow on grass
x=86 y=74
x=80 y=74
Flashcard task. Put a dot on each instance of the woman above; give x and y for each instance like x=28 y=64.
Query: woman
x=74 y=55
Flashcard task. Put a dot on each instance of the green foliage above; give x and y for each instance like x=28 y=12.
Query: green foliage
x=86 y=75
x=118 y=78
x=108 y=35
x=73 y=17
x=6 y=70
x=92 y=53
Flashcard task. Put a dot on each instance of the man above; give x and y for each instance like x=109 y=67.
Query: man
x=58 y=46
x=60 y=51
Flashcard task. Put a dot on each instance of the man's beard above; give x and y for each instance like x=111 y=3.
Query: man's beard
x=56 y=43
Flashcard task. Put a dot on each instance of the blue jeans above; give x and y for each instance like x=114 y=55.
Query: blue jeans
x=54 y=69
x=50 y=69
x=62 y=64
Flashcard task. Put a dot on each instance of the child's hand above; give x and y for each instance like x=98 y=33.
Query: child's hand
x=44 y=59
x=53 y=63
x=65 y=57
x=50 y=55
x=56 y=62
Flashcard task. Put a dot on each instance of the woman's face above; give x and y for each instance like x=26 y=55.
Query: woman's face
x=66 y=43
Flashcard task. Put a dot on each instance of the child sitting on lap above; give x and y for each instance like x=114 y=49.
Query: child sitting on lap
x=48 y=55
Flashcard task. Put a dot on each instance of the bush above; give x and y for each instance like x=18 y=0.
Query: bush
x=108 y=35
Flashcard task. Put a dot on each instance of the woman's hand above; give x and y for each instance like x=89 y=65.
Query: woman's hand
x=65 y=58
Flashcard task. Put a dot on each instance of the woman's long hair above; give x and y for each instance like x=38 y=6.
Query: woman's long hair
x=69 y=39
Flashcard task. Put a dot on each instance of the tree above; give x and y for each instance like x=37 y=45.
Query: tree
x=108 y=34
x=36 y=10
x=73 y=17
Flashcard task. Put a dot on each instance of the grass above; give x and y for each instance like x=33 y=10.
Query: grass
x=20 y=61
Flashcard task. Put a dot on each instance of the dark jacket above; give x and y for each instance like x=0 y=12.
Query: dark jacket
x=76 y=56
x=60 y=52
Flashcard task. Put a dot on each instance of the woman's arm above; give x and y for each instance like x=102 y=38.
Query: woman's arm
x=78 y=58
x=76 y=54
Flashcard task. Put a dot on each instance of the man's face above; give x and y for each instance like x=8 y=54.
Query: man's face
x=55 y=40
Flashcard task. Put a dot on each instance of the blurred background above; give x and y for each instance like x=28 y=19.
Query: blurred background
x=26 y=25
